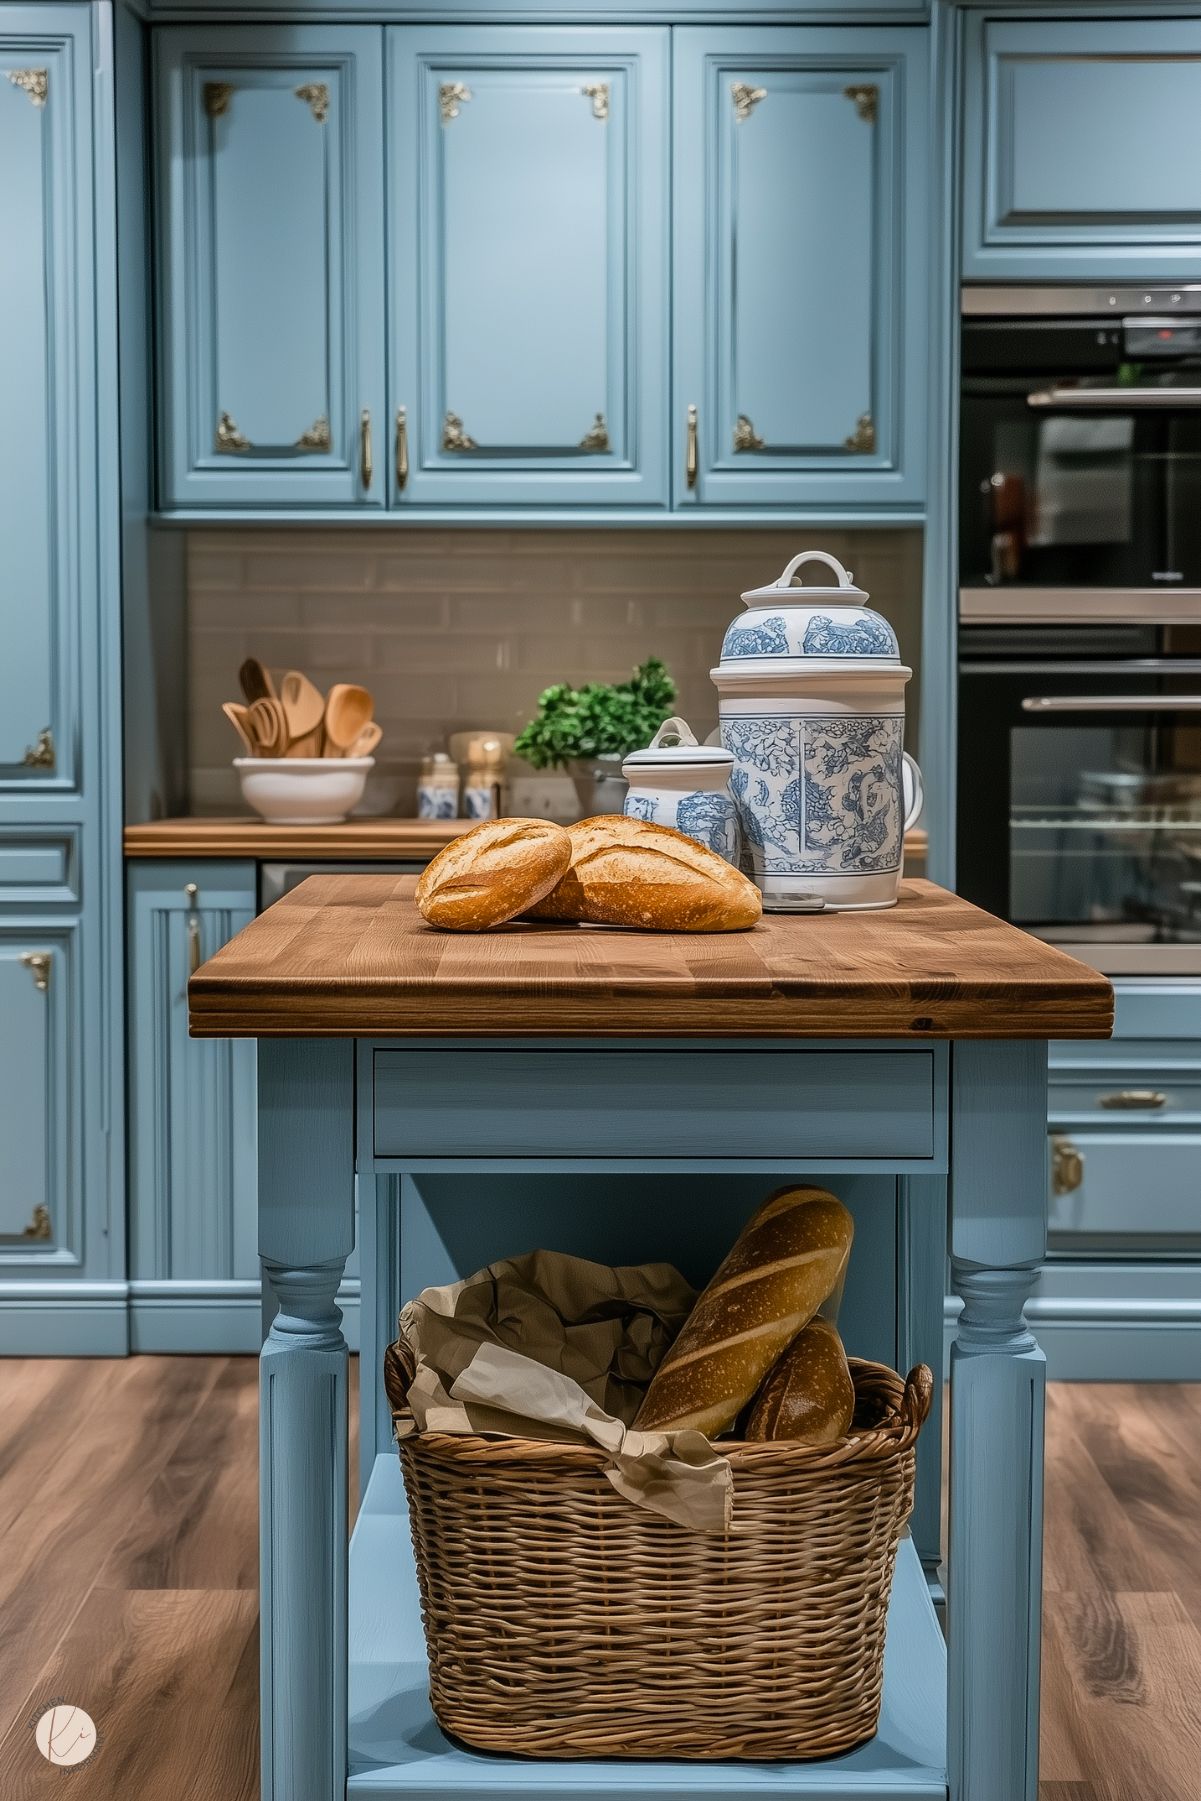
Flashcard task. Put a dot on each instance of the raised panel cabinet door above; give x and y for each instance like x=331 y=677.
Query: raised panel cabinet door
x=799 y=271
x=40 y=1215
x=193 y=1142
x=527 y=187
x=1080 y=155
x=271 y=253
x=45 y=310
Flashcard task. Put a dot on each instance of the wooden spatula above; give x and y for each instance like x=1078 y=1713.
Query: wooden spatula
x=239 y=718
x=256 y=681
x=268 y=726
x=367 y=739
x=347 y=710
x=304 y=710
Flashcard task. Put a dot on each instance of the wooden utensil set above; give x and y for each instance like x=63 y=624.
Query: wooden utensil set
x=297 y=720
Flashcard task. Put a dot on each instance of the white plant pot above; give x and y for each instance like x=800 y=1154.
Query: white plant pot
x=303 y=790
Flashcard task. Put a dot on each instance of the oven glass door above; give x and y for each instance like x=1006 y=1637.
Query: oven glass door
x=1080 y=800
x=1081 y=455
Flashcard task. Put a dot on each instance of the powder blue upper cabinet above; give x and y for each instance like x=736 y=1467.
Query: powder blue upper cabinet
x=1080 y=149
x=272 y=291
x=800 y=266
x=44 y=201
x=527 y=188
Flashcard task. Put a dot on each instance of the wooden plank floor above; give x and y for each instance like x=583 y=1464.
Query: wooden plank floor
x=129 y=1568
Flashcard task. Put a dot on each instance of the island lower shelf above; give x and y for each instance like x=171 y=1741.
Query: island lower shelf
x=397 y=1749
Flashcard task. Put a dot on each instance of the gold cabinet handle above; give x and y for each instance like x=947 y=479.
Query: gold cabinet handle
x=195 y=954
x=38 y=965
x=692 y=454
x=1067 y=1166
x=366 y=466
x=1134 y=1098
x=40 y=755
x=402 y=447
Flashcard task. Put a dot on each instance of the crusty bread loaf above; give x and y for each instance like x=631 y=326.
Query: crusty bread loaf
x=788 y=1257
x=630 y=872
x=807 y=1395
x=492 y=873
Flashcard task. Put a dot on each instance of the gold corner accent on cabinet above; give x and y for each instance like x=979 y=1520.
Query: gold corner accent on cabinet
x=40 y=755
x=863 y=439
x=317 y=437
x=366 y=460
x=39 y=1228
x=1067 y=1165
x=745 y=435
x=227 y=439
x=453 y=435
x=866 y=96
x=34 y=82
x=597 y=435
x=402 y=447
x=692 y=454
x=217 y=96
x=38 y=964
x=451 y=96
x=746 y=99
x=598 y=93
x=315 y=95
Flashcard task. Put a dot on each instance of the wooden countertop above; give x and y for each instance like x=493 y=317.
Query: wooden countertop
x=350 y=956
x=359 y=840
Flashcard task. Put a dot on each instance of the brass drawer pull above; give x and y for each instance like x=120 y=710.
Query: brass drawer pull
x=402 y=447
x=1067 y=1166
x=692 y=455
x=38 y=965
x=195 y=954
x=366 y=465
x=1134 y=1098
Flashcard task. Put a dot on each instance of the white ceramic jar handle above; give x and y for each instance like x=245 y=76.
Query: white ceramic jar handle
x=914 y=790
x=845 y=578
x=676 y=728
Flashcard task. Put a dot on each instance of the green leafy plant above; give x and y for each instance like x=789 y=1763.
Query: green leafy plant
x=598 y=720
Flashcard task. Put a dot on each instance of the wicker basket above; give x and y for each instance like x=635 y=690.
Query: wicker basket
x=562 y=1621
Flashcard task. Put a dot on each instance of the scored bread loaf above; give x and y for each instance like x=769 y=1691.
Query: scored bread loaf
x=631 y=872
x=492 y=873
x=789 y=1256
x=807 y=1395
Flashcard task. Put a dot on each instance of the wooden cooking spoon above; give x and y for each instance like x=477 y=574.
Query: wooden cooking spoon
x=269 y=727
x=304 y=710
x=256 y=681
x=239 y=718
x=367 y=739
x=347 y=710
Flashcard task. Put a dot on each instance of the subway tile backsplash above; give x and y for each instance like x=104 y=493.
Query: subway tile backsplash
x=459 y=629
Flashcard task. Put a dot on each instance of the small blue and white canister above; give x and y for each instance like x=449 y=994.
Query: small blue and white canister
x=438 y=787
x=676 y=781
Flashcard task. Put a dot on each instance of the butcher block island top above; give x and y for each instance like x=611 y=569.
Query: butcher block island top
x=350 y=956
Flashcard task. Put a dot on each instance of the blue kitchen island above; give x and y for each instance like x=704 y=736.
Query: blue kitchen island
x=627 y=1096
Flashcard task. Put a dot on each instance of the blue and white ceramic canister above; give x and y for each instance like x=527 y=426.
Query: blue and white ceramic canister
x=676 y=781
x=811 y=697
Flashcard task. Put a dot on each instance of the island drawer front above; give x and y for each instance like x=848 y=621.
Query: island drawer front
x=648 y=1104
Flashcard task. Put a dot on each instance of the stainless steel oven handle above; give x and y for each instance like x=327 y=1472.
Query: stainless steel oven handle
x=1112 y=703
x=1125 y=399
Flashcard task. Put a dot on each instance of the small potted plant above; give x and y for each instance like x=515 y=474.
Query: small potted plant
x=588 y=731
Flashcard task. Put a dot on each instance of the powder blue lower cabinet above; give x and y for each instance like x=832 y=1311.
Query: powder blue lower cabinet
x=799 y=274
x=194 y=1274
x=40 y=1075
x=1080 y=149
x=528 y=245
x=271 y=218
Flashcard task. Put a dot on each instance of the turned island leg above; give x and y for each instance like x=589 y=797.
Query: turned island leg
x=998 y=1240
x=306 y=1232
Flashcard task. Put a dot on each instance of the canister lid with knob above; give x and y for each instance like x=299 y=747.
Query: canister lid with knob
x=829 y=622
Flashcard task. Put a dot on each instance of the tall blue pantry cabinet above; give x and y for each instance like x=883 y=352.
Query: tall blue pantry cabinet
x=62 y=1238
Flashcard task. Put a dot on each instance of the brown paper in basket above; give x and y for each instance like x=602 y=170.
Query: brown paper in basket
x=466 y=1382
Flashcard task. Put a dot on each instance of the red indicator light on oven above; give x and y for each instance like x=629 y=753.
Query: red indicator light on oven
x=1165 y=337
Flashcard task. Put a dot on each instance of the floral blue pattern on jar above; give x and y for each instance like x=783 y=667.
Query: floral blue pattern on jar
x=767 y=639
x=824 y=637
x=818 y=795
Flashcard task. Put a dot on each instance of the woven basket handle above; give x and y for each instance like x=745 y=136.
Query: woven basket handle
x=919 y=1392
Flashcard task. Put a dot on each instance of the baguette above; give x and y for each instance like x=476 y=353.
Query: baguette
x=492 y=873
x=807 y=1395
x=788 y=1257
x=631 y=872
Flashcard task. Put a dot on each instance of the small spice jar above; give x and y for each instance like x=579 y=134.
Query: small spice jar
x=484 y=782
x=676 y=781
x=438 y=787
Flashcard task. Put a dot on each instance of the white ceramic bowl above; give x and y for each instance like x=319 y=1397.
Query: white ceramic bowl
x=303 y=790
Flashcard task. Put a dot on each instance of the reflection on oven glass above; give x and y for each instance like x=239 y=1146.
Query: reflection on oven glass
x=1105 y=832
